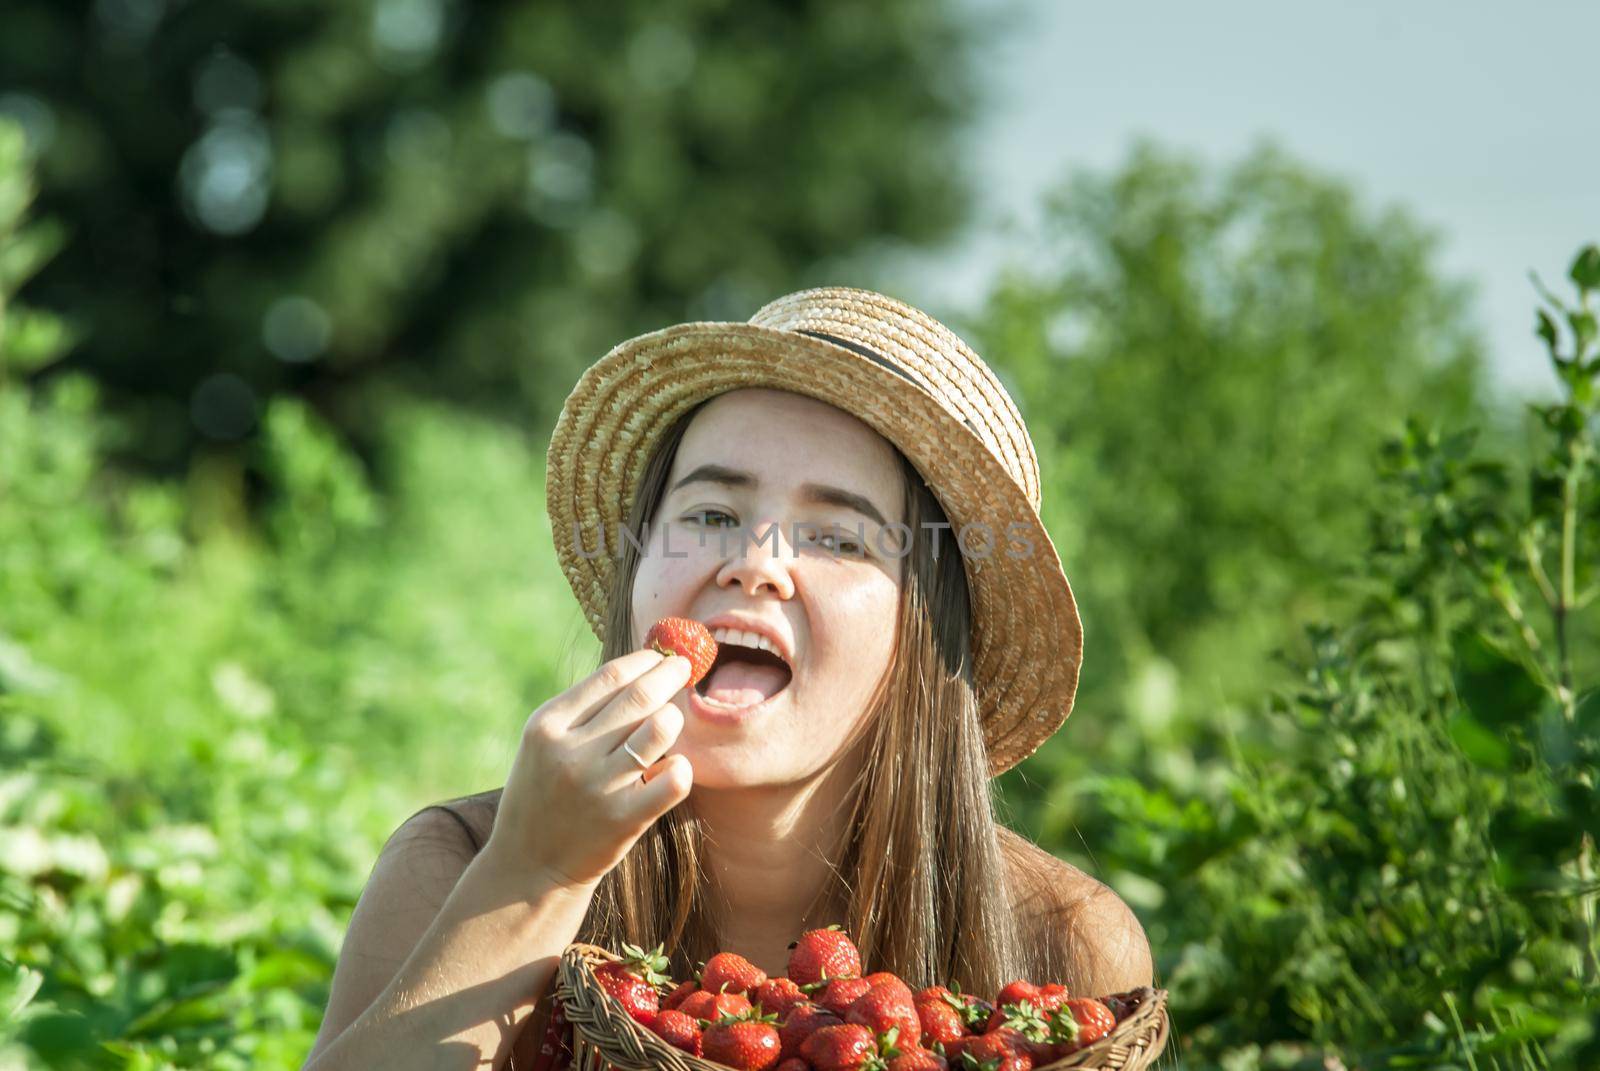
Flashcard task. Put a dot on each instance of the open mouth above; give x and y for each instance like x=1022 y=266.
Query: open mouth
x=744 y=676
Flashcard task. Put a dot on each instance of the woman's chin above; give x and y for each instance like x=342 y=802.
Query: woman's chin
x=725 y=765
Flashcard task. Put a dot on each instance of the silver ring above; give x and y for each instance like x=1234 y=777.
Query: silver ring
x=642 y=764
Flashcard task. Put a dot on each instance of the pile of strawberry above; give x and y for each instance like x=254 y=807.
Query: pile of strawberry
x=826 y=1016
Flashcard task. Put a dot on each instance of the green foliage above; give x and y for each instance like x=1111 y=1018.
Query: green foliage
x=1208 y=361
x=29 y=339
x=475 y=199
x=206 y=739
x=210 y=722
x=1405 y=876
x=1238 y=381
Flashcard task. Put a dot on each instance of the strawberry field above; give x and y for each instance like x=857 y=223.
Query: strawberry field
x=1336 y=740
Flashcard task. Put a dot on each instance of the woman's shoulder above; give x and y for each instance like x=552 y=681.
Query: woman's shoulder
x=468 y=818
x=1100 y=935
x=1041 y=881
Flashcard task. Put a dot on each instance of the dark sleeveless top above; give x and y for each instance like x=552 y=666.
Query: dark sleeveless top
x=472 y=836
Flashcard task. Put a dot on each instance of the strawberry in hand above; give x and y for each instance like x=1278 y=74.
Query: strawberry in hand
x=689 y=638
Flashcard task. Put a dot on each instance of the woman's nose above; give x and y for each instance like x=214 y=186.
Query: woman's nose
x=761 y=558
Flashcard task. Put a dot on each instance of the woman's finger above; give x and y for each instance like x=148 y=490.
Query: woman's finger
x=605 y=729
x=649 y=741
x=665 y=785
x=584 y=699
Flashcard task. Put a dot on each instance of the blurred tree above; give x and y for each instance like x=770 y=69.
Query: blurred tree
x=473 y=200
x=1209 y=360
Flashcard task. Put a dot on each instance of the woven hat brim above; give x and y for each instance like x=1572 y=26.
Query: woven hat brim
x=1027 y=636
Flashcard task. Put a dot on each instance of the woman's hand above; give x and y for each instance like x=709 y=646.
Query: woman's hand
x=575 y=801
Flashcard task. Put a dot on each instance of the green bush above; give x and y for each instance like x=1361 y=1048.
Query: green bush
x=1208 y=359
x=1402 y=871
x=209 y=720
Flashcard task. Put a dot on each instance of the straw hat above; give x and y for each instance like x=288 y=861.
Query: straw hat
x=913 y=381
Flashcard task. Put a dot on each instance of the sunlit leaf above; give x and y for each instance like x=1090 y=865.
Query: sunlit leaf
x=1478 y=743
x=1585 y=269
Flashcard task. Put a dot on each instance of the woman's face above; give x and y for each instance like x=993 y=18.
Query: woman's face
x=769 y=464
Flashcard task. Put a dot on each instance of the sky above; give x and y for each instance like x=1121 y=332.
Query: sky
x=1482 y=119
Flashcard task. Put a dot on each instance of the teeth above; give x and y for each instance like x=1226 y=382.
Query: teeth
x=746 y=639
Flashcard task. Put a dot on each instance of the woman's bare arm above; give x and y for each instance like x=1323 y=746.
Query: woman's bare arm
x=439 y=970
x=444 y=958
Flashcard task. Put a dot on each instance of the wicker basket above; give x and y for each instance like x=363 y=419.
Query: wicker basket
x=606 y=1038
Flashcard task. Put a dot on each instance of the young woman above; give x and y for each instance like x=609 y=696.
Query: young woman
x=843 y=491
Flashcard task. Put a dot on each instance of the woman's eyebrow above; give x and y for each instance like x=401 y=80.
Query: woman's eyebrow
x=822 y=494
x=717 y=474
x=819 y=493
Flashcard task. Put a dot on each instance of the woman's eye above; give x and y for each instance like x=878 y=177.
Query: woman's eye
x=841 y=545
x=704 y=516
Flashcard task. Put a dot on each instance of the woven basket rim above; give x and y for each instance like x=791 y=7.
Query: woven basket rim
x=575 y=971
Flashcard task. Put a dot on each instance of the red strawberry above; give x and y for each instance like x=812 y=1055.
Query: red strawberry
x=1052 y=996
x=676 y=997
x=841 y=993
x=1041 y=1050
x=939 y=1013
x=731 y=973
x=1018 y=991
x=839 y=1048
x=803 y=1020
x=1079 y=1022
x=978 y=1012
x=707 y=1005
x=919 y=1060
x=678 y=1030
x=793 y=1063
x=820 y=955
x=1013 y=993
x=1024 y=1016
x=746 y=1041
x=556 y=1048
x=888 y=1006
x=633 y=980
x=951 y=1050
x=879 y=977
x=1028 y=1029
x=776 y=995
x=994 y=1052
x=687 y=637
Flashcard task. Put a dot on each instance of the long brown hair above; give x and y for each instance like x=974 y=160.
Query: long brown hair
x=933 y=894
